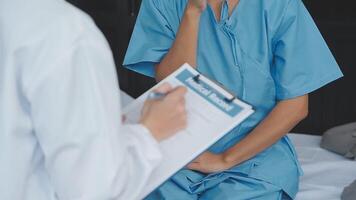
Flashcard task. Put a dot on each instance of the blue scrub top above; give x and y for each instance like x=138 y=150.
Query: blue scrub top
x=265 y=52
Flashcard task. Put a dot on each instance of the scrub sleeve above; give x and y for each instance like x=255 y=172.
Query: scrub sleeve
x=151 y=40
x=302 y=59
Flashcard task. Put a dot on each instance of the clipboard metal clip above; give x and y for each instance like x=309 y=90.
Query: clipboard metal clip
x=228 y=100
x=197 y=78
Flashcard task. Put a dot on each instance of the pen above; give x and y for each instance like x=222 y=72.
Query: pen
x=156 y=95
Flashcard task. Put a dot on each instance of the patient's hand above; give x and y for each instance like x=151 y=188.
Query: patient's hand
x=200 y=5
x=209 y=163
x=167 y=116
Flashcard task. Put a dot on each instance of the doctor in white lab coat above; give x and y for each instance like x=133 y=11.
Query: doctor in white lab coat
x=61 y=135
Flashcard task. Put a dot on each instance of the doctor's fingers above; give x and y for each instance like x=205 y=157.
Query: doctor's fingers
x=164 y=88
x=181 y=121
x=177 y=94
x=178 y=110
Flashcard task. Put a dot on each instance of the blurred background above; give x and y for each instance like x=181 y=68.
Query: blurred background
x=332 y=105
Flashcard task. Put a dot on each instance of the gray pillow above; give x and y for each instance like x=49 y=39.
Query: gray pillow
x=341 y=140
x=349 y=192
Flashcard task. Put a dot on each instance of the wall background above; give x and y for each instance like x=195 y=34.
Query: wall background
x=332 y=105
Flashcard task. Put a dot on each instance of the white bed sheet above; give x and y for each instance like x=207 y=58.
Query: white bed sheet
x=325 y=173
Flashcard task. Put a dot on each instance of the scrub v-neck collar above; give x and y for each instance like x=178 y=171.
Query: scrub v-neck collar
x=224 y=13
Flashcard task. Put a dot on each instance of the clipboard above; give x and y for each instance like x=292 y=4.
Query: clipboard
x=213 y=112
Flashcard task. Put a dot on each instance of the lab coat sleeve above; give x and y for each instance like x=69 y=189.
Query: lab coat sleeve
x=302 y=60
x=75 y=108
x=153 y=36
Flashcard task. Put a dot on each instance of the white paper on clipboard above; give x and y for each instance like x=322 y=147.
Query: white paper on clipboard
x=210 y=117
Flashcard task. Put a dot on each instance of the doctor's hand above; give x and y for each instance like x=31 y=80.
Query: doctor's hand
x=166 y=116
x=209 y=163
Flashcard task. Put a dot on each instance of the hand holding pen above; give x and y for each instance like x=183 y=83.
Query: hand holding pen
x=164 y=112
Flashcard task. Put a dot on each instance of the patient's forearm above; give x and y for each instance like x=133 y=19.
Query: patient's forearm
x=278 y=123
x=184 y=48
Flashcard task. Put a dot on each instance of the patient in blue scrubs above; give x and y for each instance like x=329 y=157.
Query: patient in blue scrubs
x=270 y=54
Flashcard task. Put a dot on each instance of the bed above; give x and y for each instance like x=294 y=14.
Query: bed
x=325 y=173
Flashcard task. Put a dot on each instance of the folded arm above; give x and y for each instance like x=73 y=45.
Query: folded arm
x=184 y=48
x=283 y=118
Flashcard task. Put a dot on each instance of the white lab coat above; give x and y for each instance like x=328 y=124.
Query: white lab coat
x=61 y=135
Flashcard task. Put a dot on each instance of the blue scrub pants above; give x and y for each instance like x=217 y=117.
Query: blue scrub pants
x=237 y=188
